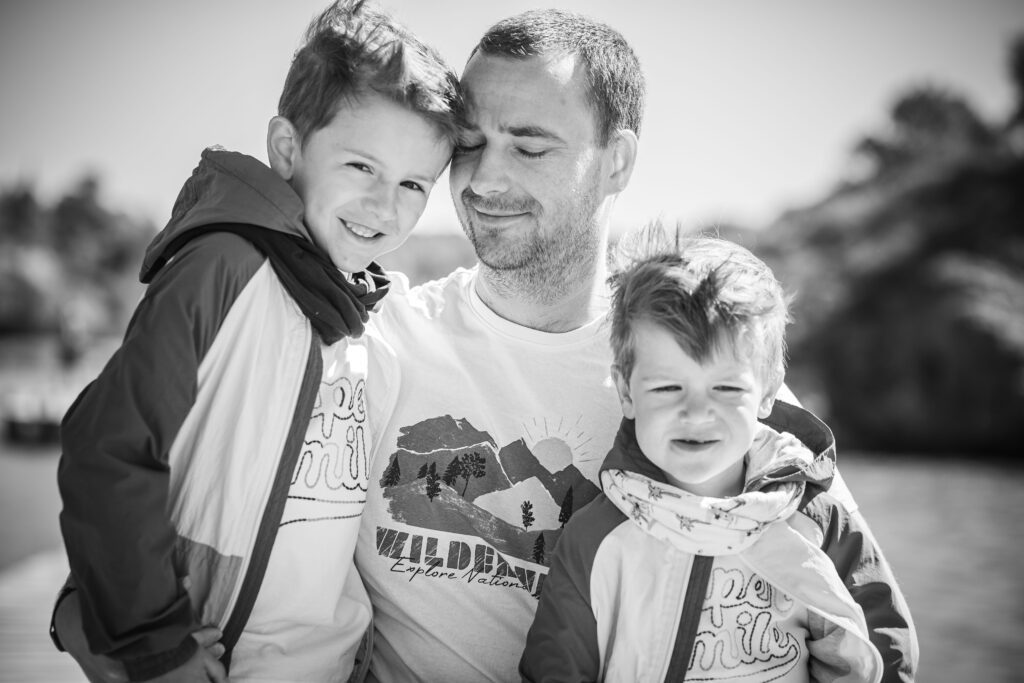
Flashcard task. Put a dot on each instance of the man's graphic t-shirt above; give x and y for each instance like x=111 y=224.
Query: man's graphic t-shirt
x=312 y=610
x=494 y=442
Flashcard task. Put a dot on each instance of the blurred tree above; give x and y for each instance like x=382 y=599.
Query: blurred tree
x=909 y=331
x=927 y=124
x=69 y=267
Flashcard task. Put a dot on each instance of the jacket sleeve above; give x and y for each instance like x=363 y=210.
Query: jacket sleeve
x=562 y=642
x=868 y=576
x=113 y=472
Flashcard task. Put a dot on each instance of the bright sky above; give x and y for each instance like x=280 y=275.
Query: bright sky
x=753 y=105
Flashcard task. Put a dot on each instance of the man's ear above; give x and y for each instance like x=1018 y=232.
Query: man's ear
x=622 y=156
x=622 y=386
x=283 y=146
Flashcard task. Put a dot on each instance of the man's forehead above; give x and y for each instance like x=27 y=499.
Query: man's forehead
x=508 y=88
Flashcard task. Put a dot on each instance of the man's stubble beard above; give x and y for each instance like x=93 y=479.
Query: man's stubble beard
x=541 y=268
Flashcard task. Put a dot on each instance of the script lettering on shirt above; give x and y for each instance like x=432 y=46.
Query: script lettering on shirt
x=419 y=557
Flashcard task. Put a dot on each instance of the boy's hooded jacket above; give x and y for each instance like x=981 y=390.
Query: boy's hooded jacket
x=193 y=429
x=624 y=599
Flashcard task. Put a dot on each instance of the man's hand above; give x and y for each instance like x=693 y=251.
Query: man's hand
x=203 y=666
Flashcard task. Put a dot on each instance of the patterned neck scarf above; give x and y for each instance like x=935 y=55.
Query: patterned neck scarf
x=715 y=526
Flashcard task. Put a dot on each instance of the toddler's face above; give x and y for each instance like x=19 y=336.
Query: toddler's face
x=695 y=421
x=364 y=179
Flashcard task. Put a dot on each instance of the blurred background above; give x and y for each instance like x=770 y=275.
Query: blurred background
x=872 y=153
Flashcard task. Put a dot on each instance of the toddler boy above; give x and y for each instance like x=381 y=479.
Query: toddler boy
x=715 y=551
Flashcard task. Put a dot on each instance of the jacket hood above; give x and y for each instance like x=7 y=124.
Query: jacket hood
x=804 y=425
x=226 y=187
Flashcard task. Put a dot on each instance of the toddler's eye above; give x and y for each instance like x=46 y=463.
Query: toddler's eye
x=666 y=388
x=413 y=185
x=359 y=166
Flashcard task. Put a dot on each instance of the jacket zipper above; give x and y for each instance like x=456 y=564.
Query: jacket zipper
x=272 y=513
x=693 y=603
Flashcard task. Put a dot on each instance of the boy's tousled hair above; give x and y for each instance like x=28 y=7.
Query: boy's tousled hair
x=352 y=49
x=709 y=293
x=615 y=82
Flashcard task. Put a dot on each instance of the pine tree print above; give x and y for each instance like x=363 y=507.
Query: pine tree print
x=392 y=475
x=527 y=508
x=433 y=482
x=423 y=471
x=538 y=549
x=451 y=473
x=566 y=512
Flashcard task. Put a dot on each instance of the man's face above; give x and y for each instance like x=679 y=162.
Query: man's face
x=364 y=178
x=695 y=420
x=528 y=178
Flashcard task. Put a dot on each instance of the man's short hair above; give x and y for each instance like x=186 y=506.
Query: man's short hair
x=352 y=49
x=711 y=294
x=616 y=87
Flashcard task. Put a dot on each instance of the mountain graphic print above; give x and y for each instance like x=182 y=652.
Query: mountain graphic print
x=448 y=476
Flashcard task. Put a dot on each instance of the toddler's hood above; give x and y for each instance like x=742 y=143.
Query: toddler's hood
x=226 y=187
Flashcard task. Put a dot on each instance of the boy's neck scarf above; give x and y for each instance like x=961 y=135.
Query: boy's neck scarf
x=752 y=526
x=336 y=305
x=714 y=526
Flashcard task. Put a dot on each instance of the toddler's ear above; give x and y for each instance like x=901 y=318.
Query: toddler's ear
x=622 y=386
x=767 y=403
x=283 y=146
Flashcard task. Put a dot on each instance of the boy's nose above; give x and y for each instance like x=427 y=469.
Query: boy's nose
x=694 y=408
x=382 y=202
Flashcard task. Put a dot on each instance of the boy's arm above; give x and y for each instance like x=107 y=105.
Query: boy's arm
x=113 y=474
x=562 y=642
x=868 y=576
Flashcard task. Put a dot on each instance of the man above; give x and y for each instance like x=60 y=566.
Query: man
x=505 y=409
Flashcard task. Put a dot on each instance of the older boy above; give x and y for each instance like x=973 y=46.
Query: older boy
x=216 y=470
x=716 y=551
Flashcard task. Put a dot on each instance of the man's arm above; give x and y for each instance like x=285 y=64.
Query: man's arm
x=868 y=576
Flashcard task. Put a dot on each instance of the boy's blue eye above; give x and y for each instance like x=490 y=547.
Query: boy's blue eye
x=413 y=185
x=358 y=165
x=728 y=388
x=666 y=388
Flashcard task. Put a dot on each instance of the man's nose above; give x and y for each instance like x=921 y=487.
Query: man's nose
x=490 y=172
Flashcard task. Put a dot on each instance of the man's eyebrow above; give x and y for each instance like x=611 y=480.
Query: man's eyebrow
x=533 y=132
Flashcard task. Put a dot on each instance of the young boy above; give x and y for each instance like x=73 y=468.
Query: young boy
x=715 y=551
x=215 y=471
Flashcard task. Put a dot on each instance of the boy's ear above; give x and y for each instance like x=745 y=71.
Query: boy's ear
x=283 y=146
x=622 y=386
x=622 y=149
x=767 y=403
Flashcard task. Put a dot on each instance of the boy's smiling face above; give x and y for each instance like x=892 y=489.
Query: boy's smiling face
x=695 y=421
x=364 y=178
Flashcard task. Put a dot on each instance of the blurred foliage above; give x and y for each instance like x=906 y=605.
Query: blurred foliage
x=68 y=267
x=909 y=279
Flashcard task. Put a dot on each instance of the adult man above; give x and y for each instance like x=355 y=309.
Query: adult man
x=504 y=411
